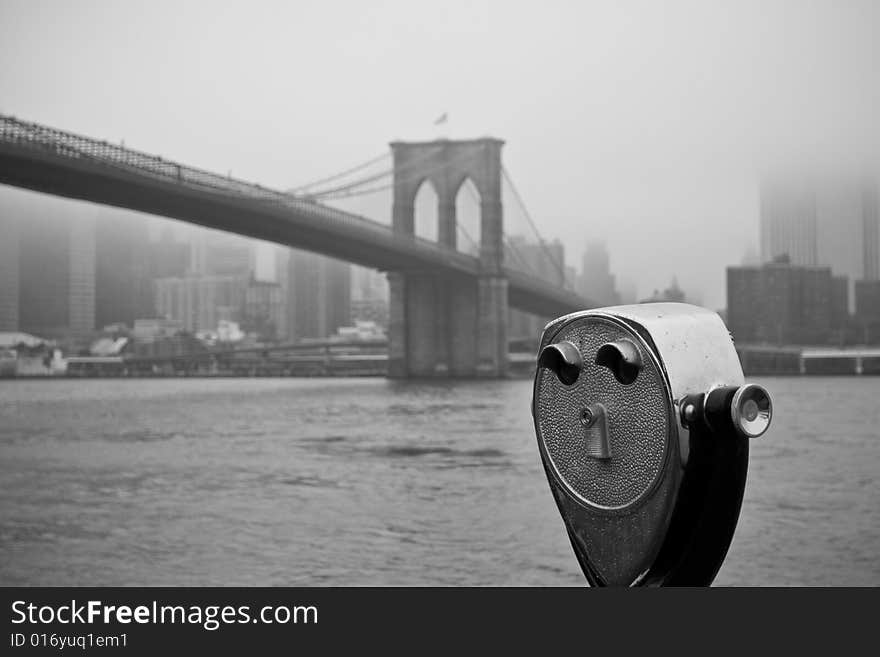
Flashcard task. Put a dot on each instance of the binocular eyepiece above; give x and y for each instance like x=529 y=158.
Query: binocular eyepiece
x=643 y=420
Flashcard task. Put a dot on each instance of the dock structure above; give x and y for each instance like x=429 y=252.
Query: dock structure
x=317 y=358
x=806 y=361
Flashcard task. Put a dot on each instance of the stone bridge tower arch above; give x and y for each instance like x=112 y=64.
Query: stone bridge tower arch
x=439 y=326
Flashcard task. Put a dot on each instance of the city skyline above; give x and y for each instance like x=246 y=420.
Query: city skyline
x=634 y=132
x=146 y=267
x=73 y=269
x=799 y=205
x=822 y=219
x=181 y=250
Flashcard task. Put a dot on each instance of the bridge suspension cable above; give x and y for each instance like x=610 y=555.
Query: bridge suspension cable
x=354 y=188
x=341 y=174
x=515 y=252
x=350 y=188
x=560 y=267
x=351 y=193
x=360 y=187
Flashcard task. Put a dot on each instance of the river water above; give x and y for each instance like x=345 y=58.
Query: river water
x=369 y=481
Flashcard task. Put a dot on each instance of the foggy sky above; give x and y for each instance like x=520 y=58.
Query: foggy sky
x=643 y=124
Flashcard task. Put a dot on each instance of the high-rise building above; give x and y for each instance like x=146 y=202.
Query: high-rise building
x=263 y=309
x=823 y=221
x=369 y=296
x=316 y=292
x=867 y=316
x=169 y=258
x=57 y=275
x=368 y=284
x=215 y=253
x=781 y=303
x=205 y=281
x=868 y=301
x=282 y=256
x=8 y=270
x=788 y=221
x=123 y=281
x=840 y=301
x=82 y=275
x=44 y=277
x=201 y=302
x=596 y=281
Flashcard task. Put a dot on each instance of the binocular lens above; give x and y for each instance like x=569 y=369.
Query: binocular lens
x=751 y=410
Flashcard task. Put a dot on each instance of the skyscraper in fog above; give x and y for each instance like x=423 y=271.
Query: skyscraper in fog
x=56 y=275
x=8 y=271
x=201 y=302
x=317 y=293
x=596 y=281
x=208 y=280
x=368 y=284
x=82 y=275
x=822 y=222
x=221 y=254
x=169 y=257
x=264 y=310
x=123 y=285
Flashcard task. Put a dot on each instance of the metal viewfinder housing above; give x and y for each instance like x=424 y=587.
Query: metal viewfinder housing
x=643 y=421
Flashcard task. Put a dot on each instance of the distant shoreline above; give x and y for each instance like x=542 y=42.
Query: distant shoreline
x=367 y=375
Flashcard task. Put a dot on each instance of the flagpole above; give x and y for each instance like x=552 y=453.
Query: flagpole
x=441 y=120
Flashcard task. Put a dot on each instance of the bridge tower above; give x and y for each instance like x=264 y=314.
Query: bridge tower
x=443 y=325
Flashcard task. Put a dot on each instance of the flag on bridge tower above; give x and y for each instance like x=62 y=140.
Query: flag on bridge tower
x=441 y=119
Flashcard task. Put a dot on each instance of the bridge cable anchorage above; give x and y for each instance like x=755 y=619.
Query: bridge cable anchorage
x=341 y=174
x=343 y=190
x=558 y=266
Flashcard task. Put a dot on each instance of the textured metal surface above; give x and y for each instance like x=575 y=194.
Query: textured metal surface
x=638 y=418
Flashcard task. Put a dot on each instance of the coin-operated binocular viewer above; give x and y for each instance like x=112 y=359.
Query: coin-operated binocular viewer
x=643 y=422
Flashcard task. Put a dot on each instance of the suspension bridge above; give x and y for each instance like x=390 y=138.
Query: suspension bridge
x=448 y=305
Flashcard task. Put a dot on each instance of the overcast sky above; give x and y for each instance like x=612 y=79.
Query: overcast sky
x=643 y=124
